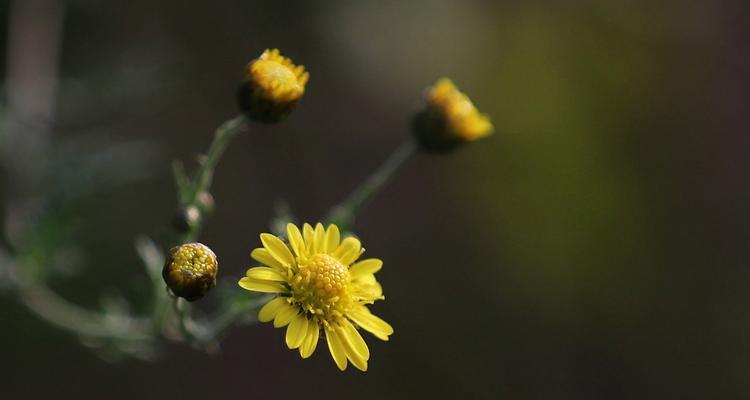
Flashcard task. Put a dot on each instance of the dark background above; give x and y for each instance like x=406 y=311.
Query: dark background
x=594 y=247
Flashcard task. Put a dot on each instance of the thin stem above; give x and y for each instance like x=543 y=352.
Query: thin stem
x=181 y=312
x=224 y=134
x=68 y=316
x=229 y=317
x=204 y=176
x=343 y=214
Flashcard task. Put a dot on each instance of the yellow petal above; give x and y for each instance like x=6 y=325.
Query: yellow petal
x=350 y=257
x=311 y=340
x=277 y=248
x=262 y=286
x=296 y=331
x=270 y=309
x=335 y=347
x=348 y=250
x=355 y=339
x=351 y=353
x=369 y=322
x=332 y=238
x=264 y=273
x=368 y=291
x=365 y=267
x=319 y=238
x=295 y=239
x=285 y=315
x=264 y=257
x=309 y=234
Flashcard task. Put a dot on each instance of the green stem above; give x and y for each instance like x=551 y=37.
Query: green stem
x=343 y=214
x=182 y=314
x=68 y=316
x=204 y=176
x=229 y=317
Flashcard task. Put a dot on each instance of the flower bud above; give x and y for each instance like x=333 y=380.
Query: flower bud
x=191 y=270
x=206 y=202
x=186 y=218
x=448 y=120
x=272 y=86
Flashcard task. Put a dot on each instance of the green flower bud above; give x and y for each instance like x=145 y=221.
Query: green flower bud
x=191 y=270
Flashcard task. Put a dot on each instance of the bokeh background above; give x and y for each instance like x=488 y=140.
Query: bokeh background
x=594 y=247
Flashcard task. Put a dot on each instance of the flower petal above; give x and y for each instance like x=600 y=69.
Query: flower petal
x=355 y=339
x=257 y=285
x=264 y=257
x=277 y=248
x=311 y=340
x=365 y=267
x=296 y=331
x=335 y=347
x=351 y=257
x=351 y=352
x=319 y=238
x=295 y=239
x=367 y=287
x=285 y=316
x=349 y=250
x=270 y=309
x=265 y=273
x=309 y=234
x=333 y=237
x=369 y=322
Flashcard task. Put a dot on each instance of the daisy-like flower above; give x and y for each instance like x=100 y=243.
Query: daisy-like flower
x=319 y=286
x=272 y=86
x=449 y=119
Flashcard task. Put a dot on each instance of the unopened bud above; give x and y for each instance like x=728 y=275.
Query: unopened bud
x=272 y=86
x=448 y=120
x=186 y=218
x=191 y=270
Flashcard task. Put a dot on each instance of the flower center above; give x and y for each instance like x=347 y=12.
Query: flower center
x=275 y=78
x=321 y=284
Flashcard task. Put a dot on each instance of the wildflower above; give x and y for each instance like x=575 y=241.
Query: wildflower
x=449 y=119
x=190 y=270
x=319 y=285
x=272 y=86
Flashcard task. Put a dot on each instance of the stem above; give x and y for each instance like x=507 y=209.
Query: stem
x=68 y=316
x=229 y=317
x=343 y=214
x=204 y=176
x=181 y=312
x=224 y=134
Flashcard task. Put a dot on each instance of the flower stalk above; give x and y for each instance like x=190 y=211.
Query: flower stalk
x=190 y=190
x=344 y=213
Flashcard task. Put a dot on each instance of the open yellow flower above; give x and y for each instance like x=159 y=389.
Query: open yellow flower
x=449 y=119
x=319 y=285
x=272 y=86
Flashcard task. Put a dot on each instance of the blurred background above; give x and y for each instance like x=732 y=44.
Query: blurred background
x=594 y=247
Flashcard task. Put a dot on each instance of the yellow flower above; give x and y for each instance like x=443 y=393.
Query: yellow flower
x=449 y=119
x=319 y=285
x=272 y=86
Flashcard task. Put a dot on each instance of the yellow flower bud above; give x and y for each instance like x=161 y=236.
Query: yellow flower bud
x=272 y=86
x=449 y=119
x=191 y=270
